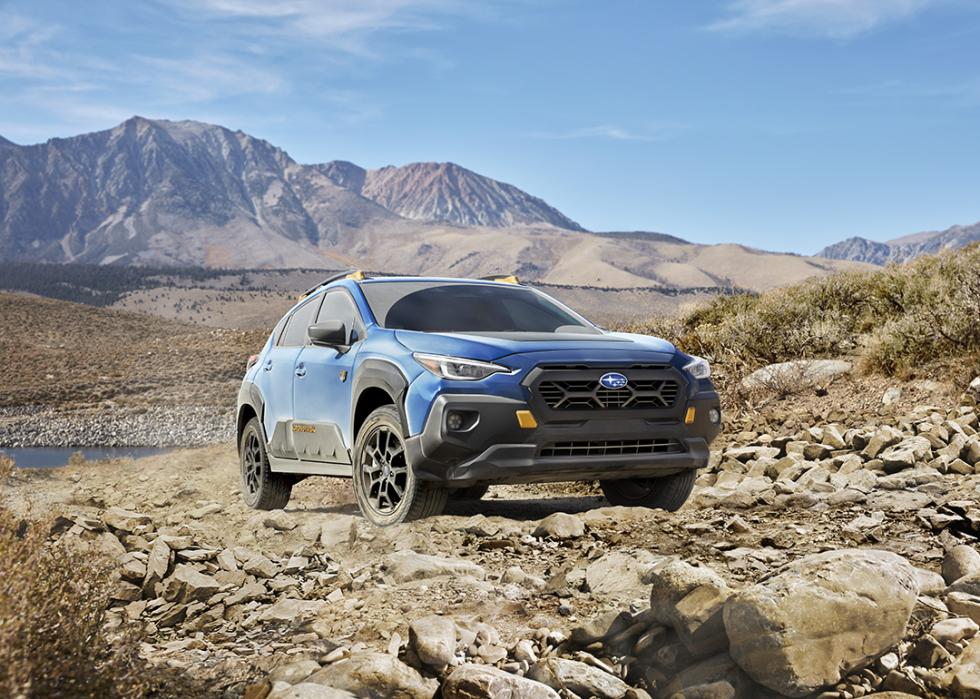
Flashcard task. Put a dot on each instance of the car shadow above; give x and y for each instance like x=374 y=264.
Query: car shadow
x=338 y=509
x=517 y=509
x=524 y=509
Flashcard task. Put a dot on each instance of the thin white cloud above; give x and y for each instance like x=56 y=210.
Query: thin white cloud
x=961 y=92
x=209 y=51
x=837 y=19
x=347 y=26
x=611 y=133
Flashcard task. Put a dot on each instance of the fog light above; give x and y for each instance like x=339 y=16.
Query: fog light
x=714 y=415
x=454 y=421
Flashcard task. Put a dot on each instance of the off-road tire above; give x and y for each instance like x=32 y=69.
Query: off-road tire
x=474 y=492
x=380 y=470
x=663 y=493
x=261 y=488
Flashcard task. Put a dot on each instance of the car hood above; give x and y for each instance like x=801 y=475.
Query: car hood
x=490 y=347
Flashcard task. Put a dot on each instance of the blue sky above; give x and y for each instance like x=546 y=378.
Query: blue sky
x=782 y=124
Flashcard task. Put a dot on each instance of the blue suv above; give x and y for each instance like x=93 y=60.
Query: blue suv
x=423 y=389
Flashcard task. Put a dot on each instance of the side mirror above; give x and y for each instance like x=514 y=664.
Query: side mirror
x=330 y=333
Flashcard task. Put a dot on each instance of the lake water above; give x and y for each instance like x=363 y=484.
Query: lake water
x=52 y=457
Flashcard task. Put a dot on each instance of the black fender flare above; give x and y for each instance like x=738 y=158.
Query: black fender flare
x=250 y=395
x=383 y=374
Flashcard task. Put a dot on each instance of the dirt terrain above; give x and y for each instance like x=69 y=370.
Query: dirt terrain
x=535 y=581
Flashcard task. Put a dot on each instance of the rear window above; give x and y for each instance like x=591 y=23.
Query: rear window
x=466 y=307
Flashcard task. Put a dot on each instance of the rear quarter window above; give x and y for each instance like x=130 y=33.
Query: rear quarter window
x=299 y=321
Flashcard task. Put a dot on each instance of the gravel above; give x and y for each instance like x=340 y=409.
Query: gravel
x=151 y=427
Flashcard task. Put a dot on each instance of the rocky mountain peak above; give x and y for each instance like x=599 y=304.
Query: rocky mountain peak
x=902 y=249
x=449 y=192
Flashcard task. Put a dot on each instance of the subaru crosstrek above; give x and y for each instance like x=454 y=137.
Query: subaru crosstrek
x=422 y=389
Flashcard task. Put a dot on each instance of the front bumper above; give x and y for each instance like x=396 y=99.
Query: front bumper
x=497 y=450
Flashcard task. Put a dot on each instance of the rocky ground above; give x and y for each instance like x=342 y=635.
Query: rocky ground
x=824 y=553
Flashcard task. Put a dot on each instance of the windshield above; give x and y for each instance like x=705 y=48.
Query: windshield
x=467 y=307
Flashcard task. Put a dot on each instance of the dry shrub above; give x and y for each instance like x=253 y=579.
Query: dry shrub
x=53 y=636
x=897 y=321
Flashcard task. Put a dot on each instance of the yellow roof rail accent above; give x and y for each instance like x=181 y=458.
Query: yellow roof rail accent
x=509 y=279
x=357 y=276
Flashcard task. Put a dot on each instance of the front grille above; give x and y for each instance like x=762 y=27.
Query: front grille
x=590 y=394
x=613 y=447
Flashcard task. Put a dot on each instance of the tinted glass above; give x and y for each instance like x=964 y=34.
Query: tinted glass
x=277 y=331
x=299 y=321
x=463 y=307
x=337 y=305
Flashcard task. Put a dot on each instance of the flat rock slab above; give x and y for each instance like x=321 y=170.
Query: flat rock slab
x=488 y=682
x=376 y=676
x=406 y=566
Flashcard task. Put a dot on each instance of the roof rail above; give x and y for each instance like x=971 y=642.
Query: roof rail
x=355 y=274
x=503 y=278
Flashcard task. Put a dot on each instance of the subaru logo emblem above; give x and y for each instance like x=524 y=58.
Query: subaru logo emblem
x=613 y=380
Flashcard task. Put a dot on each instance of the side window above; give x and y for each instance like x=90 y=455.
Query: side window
x=338 y=305
x=277 y=331
x=299 y=321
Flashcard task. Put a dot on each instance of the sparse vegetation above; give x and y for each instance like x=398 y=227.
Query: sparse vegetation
x=900 y=321
x=54 y=640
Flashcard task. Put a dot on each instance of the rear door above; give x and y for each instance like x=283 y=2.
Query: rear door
x=322 y=388
x=276 y=378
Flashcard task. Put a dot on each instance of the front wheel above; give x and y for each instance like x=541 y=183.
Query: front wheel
x=261 y=488
x=385 y=485
x=663 y=493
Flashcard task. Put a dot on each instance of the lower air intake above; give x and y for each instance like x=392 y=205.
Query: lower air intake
x=615 y=447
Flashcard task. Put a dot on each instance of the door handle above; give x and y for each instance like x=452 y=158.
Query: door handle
x=268 y=365
x=301 y=370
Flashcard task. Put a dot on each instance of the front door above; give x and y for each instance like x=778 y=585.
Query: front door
x=322 y=387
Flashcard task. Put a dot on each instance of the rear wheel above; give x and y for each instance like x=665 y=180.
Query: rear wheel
x=664 y=493
x=385 y=485
x=261 y=488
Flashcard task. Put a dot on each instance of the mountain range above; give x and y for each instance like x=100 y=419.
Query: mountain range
x=187 y=193
x=902 y=249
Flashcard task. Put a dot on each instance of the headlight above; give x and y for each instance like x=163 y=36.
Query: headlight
x=457 y=368
x=698 y=368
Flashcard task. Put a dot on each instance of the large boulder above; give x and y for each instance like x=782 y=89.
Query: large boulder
x=375 y=676
x=578 y=678
x=824 y=615
x=488 y=682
